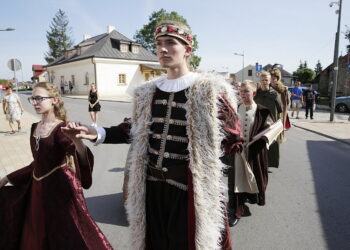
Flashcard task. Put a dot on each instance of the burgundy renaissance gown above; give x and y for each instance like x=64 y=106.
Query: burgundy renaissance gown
x=46 y=209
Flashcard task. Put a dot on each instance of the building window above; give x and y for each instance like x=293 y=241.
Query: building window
x=73 y=80
x=250 y=72
x=124 y=47
x=135 y=49
x=122 y=79
x=147 y=76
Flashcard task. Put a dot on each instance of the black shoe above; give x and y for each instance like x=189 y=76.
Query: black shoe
x=247 y=211
x=233 y=221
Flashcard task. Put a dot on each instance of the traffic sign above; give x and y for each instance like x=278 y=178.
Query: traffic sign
x=258 y=67
x=14 y=64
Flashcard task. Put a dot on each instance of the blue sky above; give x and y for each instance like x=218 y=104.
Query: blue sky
x=270 y=31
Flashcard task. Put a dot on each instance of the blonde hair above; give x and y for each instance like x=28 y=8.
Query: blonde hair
x=249 y=84
x=58 y=109
x=265 y=73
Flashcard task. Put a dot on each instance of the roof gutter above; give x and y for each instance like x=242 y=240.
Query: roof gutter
x=93 y=61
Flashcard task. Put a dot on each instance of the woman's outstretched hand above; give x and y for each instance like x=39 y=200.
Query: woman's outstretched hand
x=76 y=130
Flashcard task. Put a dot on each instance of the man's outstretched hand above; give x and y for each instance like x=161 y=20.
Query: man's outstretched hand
x=76 y=130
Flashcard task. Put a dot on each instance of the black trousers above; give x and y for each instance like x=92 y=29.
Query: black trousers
x=166 y=216
x=309 y=106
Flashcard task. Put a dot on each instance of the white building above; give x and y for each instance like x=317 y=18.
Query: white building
x=287 y=78
x=114 y=62
x=248 y=73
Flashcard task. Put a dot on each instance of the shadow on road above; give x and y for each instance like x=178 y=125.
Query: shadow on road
x=108 y=209
x=331 y=173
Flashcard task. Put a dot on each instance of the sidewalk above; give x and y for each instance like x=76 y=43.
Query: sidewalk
x=15 y=149
x=338 y=130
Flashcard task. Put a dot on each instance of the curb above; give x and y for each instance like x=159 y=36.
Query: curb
x=322 y=134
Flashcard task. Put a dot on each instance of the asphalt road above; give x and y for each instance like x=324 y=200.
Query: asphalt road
x=307 y=197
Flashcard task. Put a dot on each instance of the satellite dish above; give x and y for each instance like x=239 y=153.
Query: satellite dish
x=14 y=64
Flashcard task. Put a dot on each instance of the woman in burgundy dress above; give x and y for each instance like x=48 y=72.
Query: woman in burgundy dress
x=45 y=208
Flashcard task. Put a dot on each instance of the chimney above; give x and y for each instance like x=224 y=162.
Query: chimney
x=86 y=36
x=110 y=28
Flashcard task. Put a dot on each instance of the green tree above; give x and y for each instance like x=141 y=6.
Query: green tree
x=145 y=36
x=318 y=68
x=58 y=38
x=305 y=75
x=305 y=65
x=301 y=66
x=347 y=36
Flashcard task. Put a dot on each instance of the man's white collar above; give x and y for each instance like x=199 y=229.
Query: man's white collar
x=178 y=84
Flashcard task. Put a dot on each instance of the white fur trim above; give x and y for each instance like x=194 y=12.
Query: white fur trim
x=205 y=136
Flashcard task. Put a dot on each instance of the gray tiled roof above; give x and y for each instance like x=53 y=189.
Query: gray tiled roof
x=101 y=47
x=153 y=66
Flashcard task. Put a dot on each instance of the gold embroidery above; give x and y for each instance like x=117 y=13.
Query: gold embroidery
x=170 y=182
x=69 y=163
x=168 y=155
x=173 y=104
x=170 y=121
x=171 y=138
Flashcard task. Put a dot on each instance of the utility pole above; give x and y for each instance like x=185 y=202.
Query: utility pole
x=336 y=61
x=242 y=55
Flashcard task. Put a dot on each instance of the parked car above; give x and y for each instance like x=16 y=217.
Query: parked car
x=305 y=88
x=342 y=104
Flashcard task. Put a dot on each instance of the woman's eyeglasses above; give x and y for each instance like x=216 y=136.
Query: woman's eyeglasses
x=38 y=99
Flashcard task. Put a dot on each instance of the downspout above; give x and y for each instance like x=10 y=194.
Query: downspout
x=94 y=63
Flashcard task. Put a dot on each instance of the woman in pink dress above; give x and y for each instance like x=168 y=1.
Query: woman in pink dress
x=45 y=208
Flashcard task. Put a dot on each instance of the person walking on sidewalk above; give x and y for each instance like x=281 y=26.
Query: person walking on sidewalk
x=62 y=87
x=297 y=95
x=309 y=99
x=175 y=192
x=70 y=85
x=12 y=108
x=46 y=209
x=94 y=104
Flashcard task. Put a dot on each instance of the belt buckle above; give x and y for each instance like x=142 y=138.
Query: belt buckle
x=156 y=172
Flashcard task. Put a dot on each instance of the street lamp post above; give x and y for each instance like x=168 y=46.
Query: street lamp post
x=8 y=29
x=336 y=61
x=242 y=55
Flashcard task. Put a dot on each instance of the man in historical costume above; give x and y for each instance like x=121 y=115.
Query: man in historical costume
x=284 y=97
x=181 y=125
x=254 y=159
x=268 y=97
